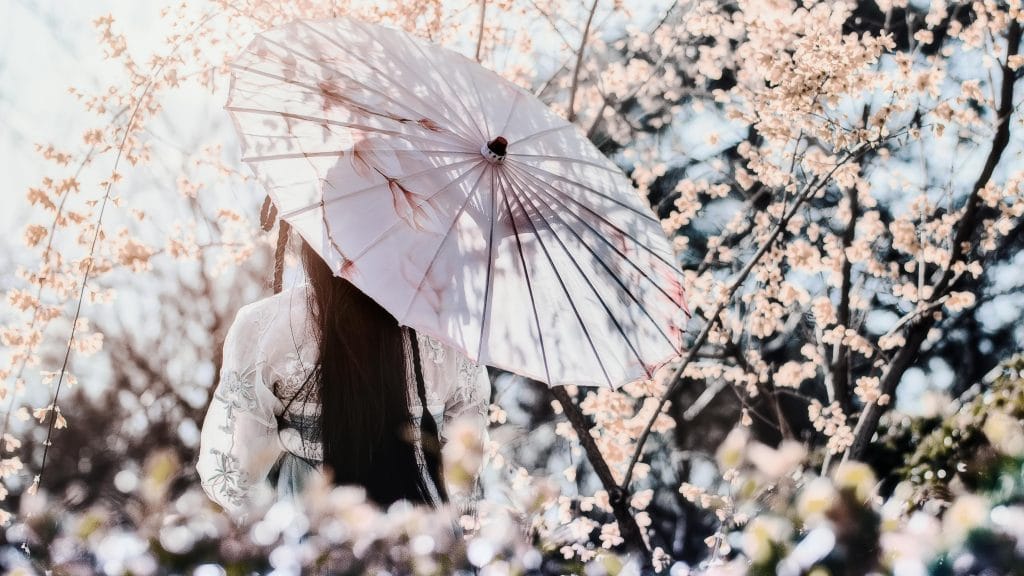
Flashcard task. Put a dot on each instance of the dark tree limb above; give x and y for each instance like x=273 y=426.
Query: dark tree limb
x=841 y=363
x=617 y=496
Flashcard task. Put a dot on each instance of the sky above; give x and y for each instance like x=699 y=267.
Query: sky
x=45 y=47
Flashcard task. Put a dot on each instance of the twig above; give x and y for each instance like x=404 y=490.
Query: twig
x=480 y=32
x=554 y=27
x=916 y=313
x=579 y=63
x=705 y=398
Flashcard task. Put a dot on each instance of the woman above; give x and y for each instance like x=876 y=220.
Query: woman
x=321 y=376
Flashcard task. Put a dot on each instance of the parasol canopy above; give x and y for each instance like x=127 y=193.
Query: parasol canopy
x=458 y=201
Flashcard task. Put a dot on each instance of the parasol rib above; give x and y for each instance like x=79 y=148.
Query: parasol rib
x=603 y=219
x=529 y=288
x=365 y=86
x=339 y=153
x=317 y=91
x=321 y=121
x=565 y=291
x=540 y=134
x=489 y=279
x=511 y=110
x=467 y=109
x=304 y=209
x=584 y=187
x=593 y=289
x=384 y=74
x=613 y=273
x=480 y=103
x=566 y=160
x=444 y=239
x=398 y=222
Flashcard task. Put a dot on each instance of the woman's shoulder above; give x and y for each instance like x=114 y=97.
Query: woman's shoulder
x=467 y=371
x=274 y=333
x=448 y=371
x=440 y=351
x=433 y=349
x=288 y=299
x=284 y=311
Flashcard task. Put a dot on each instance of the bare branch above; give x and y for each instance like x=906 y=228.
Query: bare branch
x=579 y=63
x=480 y=32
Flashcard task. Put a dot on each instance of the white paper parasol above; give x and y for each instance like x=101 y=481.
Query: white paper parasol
x=458 y=201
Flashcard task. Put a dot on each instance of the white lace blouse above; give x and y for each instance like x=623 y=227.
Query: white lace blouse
x=256 y=419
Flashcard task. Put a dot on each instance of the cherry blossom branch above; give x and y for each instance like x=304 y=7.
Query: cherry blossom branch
x=973 y=207
x=39 y=287
x=658 y=66
x=840 y=366
x=91 y=258
x=969 y=222
x=714 y=318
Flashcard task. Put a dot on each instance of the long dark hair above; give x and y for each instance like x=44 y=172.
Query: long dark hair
x=361 y=381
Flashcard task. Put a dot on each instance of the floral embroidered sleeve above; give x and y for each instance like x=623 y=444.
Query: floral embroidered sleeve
x=239 y=442
x=466 y=412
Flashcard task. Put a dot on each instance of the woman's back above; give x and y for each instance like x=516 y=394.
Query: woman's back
x=264 y=413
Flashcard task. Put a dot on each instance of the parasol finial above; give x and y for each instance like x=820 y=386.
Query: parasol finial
x=495 y=150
